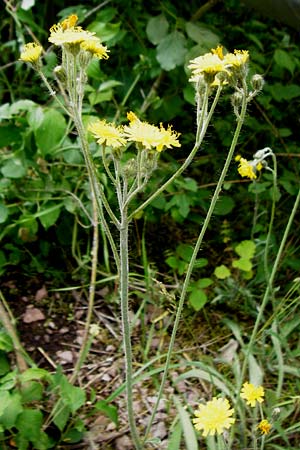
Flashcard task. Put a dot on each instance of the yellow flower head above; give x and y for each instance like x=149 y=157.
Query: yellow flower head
x=67 y=33
x=31 y=52
x=214 y=417
x=107 y=133
x=218 y=51
x=210 y=63
x=264 y=427
x=252 y=394
x=150 y=136
x=95 y=48
x=237 y=59
x=246 y=169
x=69 y=22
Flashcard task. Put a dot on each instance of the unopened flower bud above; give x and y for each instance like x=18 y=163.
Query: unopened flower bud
x=257 y=82
x=60 y=72
x=236 y=100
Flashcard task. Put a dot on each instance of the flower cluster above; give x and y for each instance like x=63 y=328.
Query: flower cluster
x=215 y=416
x=210 y=65
x=67 y=35
x=149 y=136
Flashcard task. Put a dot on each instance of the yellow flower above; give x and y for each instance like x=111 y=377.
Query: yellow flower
x=237 y=59
x=69 y=22
x=246 y=169
x=214 y=417
x=95 y=48
x=252 y=394
x=264 y=427
x=210 y=63
x=107 y=133
x=31 y=52
x=150 y=136
x=66 y=32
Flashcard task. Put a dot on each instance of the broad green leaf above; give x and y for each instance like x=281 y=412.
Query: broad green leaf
x=10 y=136
x=12 y=410
x=29 y=423
x=6 y=344
x=110 y=411
x=3 y=213
x=106 y=31
x=99 y=97
x=35 y=117
x=242 y=264
x=200 y=262
x=72 y=396
x=49 y=214
x=224 y=205
x=222 y=272
x=14 y=168
x=157 y=28
x=32 y=392
x=197 y=299
x=171 y=51
x=185 y=252
x=34 y=373
x=50 y=132
x=62 y=416
x=187 y=427
x=4 y=364
x=246 y=249
x=284 y=92
x=283 y=59
x=202 y=34
x=4 y=401
x=204 y=283
x=8 y=381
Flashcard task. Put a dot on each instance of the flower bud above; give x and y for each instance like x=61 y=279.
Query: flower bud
x=257 y=82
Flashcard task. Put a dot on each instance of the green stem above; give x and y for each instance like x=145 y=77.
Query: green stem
x=85 y=342
x=268 y=288
x=124 y=275
x=195 y=253
x=201 y=130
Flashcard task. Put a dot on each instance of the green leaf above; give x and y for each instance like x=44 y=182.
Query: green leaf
x=204 y=283
x=4 y=364
x=51 y=131
x=171 y=51
x=284 y=92
x=62 y=416
x=6 y=344
x=12 y=410
x=29 y=423
x=4 y=401
x=185 y=252
x=49 y=214
x=224 y=206
x=3 y=213
x=222 y=272
x=110 y=411
x=242 y=264
x=72 y=396
x=187 y=427
x=32 y=392
x=197 y=299
x=202 y=34
x=283 y=59
x=157 y=28
x=14 y=168
x=175 y=438
x=246 y=249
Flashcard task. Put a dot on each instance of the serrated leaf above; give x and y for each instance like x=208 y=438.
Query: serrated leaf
x=222 y=272
x=157 y=28
x=171 y=51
